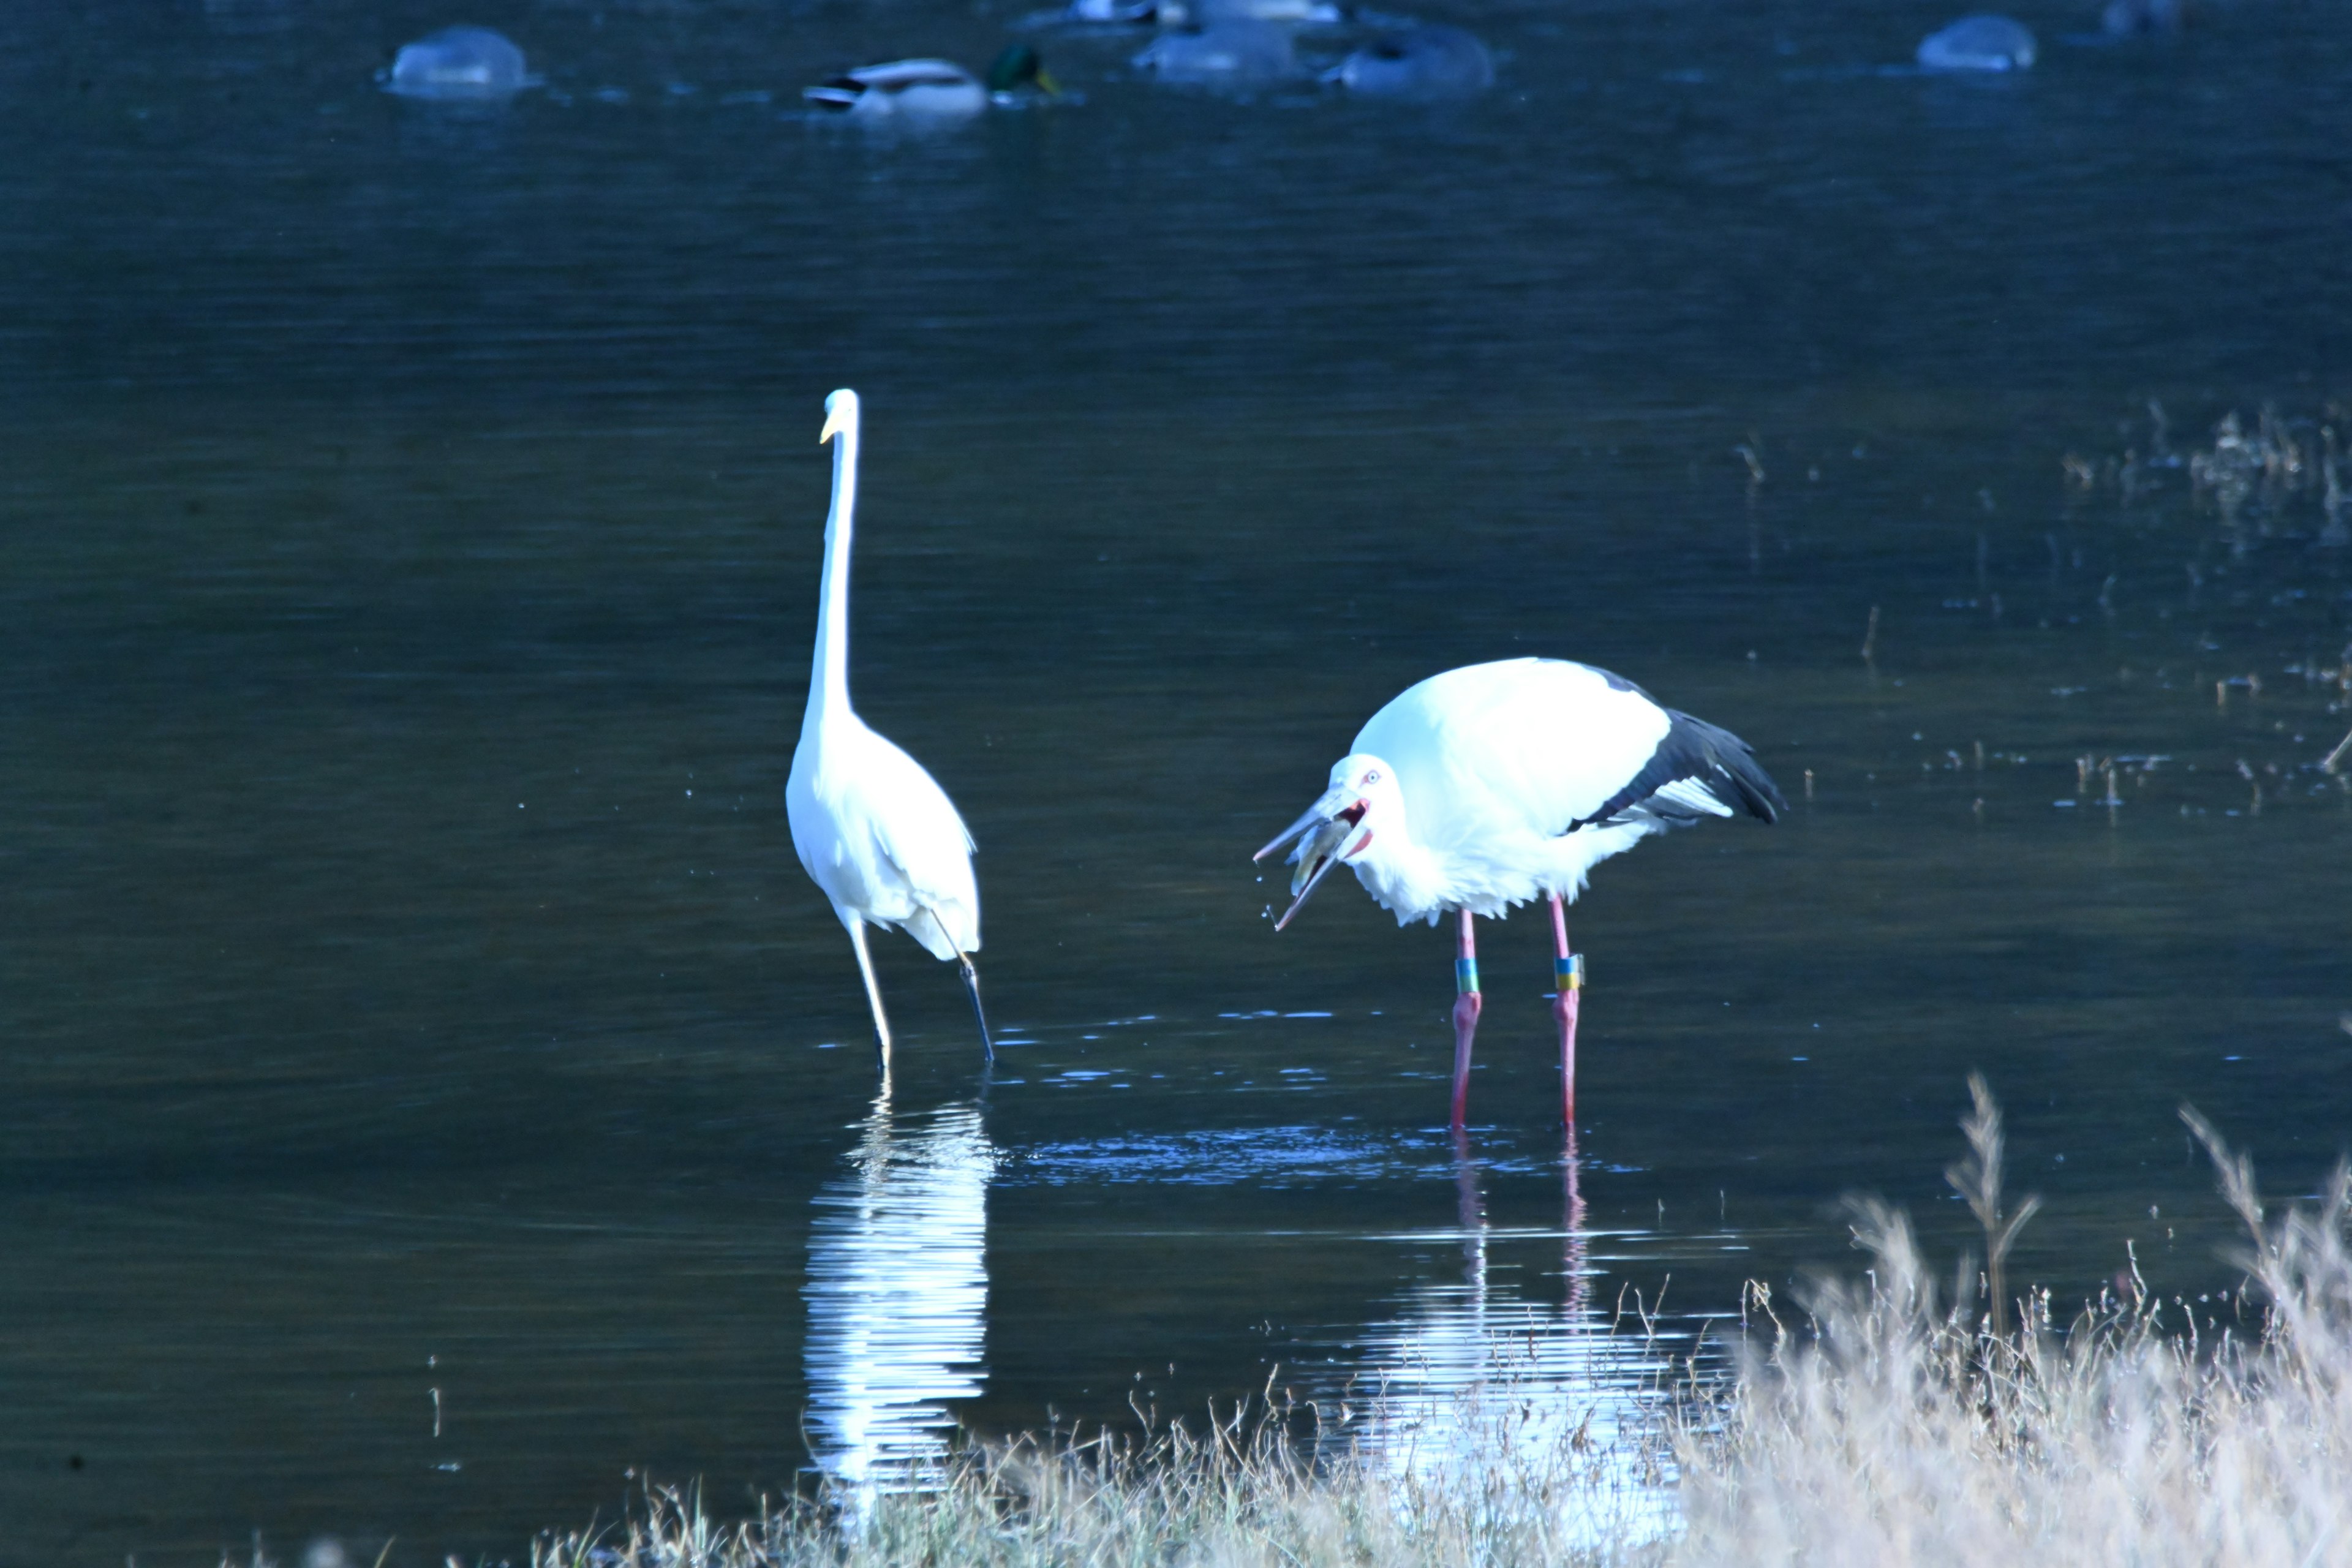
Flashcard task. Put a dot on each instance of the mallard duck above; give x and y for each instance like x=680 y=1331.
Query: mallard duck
x=1418 y=62
x=1978 y=44
x=1205 y=13
x=2131 y=18
x=1231 y=54
x=458 y=63
x=929 y=90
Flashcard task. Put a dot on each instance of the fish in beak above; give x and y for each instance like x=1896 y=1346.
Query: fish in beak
x=1331 y=831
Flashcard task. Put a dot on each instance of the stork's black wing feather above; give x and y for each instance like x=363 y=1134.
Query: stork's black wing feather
x=1717 y=760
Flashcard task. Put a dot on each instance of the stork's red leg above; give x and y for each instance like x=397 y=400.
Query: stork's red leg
x=1465 y=1015
x=1567 y=986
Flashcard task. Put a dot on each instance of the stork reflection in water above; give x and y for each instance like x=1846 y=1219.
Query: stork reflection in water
x=897 y=1298
x=1467 y=1363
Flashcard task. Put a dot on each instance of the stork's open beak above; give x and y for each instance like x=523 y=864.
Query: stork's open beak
x=1326 y=827
x=1322 y=811
x=1316 y=858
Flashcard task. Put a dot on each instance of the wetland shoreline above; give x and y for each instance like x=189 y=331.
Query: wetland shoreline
x=1888 y=1421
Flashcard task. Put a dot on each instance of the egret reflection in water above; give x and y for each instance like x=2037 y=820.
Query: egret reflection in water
x=897 y=1296
x=1469 y=1366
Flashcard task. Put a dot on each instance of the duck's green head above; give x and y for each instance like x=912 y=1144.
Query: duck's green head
x=1019 y=66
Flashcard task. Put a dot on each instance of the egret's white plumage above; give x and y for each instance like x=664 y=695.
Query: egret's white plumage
x=1493 y=785
x=876 y=832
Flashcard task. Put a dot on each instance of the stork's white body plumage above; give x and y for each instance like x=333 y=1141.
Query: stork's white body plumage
x=1494 y=784
x=1501 y=770
x=876 y=832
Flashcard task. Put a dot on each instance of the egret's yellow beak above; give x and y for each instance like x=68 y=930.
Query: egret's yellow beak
x=1046 y=84
x=834 y=426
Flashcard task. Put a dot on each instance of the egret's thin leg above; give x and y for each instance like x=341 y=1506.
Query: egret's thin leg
x=873 y=990
x=1466 y=1003
x=1568 y=986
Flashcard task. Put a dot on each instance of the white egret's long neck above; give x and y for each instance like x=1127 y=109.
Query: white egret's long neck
x=829 y=675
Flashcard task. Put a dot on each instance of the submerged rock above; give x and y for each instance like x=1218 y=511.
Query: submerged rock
x=1419 y=63
x=1978 y=44
x=459 y=63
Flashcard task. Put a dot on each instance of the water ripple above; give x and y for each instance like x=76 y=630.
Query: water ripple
x=1224 y=1157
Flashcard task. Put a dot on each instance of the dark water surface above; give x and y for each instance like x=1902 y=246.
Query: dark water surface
x=411 y=526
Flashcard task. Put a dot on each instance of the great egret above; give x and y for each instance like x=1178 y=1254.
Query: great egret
x=1978 y=44
x=1423 y=63
x=875 y=831
x=929 y=91
x=1492 y=785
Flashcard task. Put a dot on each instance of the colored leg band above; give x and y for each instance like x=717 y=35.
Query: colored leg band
x=1466 y=975
x=1568 y=974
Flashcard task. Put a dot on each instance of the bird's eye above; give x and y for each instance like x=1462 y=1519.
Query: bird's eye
x=1374 y=777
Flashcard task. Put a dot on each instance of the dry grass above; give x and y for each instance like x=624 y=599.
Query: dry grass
x=1882 y=1428
x=2272 y=471
x=1243 y=1492
x=1900 y=1433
